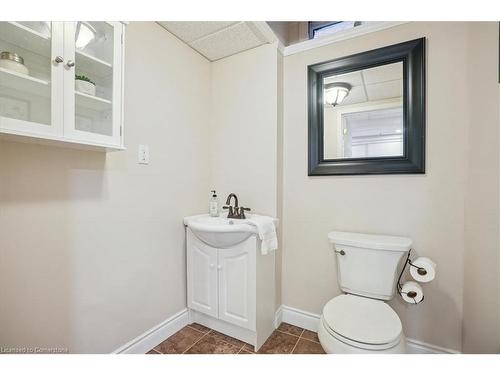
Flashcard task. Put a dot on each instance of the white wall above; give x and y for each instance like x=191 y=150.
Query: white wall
x=92 y=244
x=280 y=29
x=482 y=204
x=428 y=208
x=243 y=142
x=244 y=130
x=331 y=148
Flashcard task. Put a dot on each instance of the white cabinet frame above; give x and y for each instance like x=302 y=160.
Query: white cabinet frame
x=62 y=129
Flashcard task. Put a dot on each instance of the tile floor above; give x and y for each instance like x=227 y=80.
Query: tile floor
x=197 y=339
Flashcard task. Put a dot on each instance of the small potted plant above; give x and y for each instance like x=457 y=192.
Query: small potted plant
x=84 y=84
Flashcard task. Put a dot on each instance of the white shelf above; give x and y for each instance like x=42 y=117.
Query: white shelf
x=92 y=102
x=24 y=83
x=26 y=38
x=93 y=65
x=28 y=30
x=56 y=140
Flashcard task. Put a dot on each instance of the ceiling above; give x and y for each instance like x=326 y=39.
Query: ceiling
x=218 y=39
x=379 y=83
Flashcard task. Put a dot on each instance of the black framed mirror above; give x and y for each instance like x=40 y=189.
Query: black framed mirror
x=367 y=112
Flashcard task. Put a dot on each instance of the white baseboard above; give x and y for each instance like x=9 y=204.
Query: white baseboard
x=278 y=317
x=419 y=347
x=300 y=318
x=149 y=339
x=310 y=321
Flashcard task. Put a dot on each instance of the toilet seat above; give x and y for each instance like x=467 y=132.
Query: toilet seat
x=362 y=322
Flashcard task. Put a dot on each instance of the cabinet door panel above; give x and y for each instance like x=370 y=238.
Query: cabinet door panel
x=31 y=87
x=93 y=83
x=237 y=284
x=202 y=276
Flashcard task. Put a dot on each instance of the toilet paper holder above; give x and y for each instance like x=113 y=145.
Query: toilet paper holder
x=420 y=270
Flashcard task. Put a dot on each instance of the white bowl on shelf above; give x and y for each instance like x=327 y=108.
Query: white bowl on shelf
x=85 y=87
x=13 y=62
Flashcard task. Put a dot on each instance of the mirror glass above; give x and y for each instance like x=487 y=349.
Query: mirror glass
x=363 y=113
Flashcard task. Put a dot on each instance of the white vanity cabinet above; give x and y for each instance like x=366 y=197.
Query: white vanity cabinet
x=231 y=289
x=62 y=83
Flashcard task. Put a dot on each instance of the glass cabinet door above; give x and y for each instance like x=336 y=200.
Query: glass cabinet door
x=31 y=77
x=93 y=81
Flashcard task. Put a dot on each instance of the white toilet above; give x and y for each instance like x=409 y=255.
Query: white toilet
x=360 y=321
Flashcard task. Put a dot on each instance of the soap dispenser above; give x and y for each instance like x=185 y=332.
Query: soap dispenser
x=213 y=207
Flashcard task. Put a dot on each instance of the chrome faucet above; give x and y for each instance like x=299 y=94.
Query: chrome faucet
x=235 y=212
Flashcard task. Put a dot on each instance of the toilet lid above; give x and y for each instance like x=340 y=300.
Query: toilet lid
x=362 y=319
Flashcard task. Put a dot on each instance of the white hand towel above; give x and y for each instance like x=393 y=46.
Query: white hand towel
x=267 y=232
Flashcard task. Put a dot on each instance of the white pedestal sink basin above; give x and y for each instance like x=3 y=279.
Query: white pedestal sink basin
x=220 y=232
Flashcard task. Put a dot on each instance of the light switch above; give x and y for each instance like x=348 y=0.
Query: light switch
x=143 y=154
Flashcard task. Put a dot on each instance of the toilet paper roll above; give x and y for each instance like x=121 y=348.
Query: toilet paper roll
x=424 y=270
x=411 y=292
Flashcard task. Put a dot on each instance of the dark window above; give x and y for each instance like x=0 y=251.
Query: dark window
x=329 y=27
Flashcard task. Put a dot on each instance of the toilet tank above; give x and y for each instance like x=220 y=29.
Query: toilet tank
x=369 y=265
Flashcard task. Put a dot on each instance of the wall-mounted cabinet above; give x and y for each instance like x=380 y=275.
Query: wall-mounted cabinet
x=62 y=82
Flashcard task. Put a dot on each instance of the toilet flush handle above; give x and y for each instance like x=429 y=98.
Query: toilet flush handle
x=341 y=252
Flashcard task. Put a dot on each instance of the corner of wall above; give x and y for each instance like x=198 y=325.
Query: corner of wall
x=481 y=296
x=280 y=170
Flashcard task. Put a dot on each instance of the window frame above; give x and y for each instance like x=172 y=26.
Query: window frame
x=314 y=26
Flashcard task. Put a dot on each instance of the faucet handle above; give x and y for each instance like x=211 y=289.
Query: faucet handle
x=242 y=212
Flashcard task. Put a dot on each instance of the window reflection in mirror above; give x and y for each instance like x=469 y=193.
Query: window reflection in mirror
x=363 y=113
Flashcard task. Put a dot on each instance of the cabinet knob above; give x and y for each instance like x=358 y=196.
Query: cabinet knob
x=70 y=64
x=211 y=265
x=219 y=267
x=58 y=59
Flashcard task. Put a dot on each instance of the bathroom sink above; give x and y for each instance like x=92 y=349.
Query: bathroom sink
x=220 y=232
